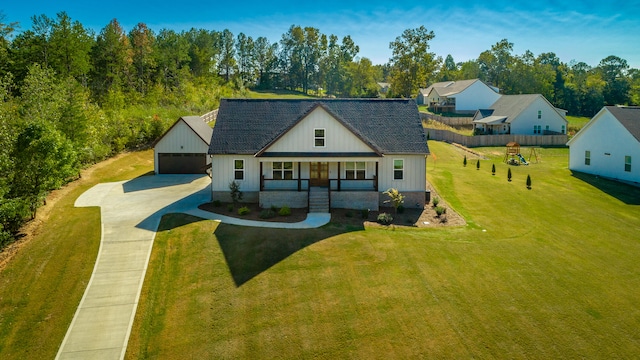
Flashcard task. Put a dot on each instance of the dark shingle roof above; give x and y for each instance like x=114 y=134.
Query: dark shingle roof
x=629 y=117
x=247 y=126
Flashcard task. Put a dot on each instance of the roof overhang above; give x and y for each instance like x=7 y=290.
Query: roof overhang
x=491 y=120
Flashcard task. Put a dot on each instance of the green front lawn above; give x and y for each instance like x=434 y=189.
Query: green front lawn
x=550 y=272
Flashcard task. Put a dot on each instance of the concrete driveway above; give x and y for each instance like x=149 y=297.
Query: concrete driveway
x=130 y=215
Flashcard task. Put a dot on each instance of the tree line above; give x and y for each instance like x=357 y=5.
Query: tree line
x=70 y=97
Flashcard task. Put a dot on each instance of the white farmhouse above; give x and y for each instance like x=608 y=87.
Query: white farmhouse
x=609 y=145
x=530 y=114
x=464 y=96
x=345 y=151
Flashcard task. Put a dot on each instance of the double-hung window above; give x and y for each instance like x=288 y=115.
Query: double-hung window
x=627 y=163
x=539 y=114
x=238 y=169
x=398 y=169
x=537 y=129
x=282 y=170
x=319 y=138
x=355 y=170
x=587 y=157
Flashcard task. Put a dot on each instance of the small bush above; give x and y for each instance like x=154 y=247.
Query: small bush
x=493 y=169
x=400 y=209
x=478 y=165
x=509 y=174
x=274 y=208
x=284 y=211
x=385 y=219
x=230 y=207
x=464 y=162
x=217 y=203
x=364 y=213
x=243 y=210
x=440 y=210
x=436 y=201
x=529 y=182
x=267 y=214
x=349 y=214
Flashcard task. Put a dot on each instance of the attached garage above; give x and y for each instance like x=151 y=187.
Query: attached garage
x=183 y=148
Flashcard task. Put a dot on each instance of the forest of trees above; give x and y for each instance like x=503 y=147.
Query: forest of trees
x=70 y=97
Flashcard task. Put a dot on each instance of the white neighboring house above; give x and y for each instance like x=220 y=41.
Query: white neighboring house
x=345 y=151
x=609 y=145
x=183 y=148
x=530 y=114
x=464 y=96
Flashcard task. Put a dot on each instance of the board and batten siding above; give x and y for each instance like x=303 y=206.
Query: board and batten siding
x=608 y=143
x=223 y=172
x=415 y=173
x=181 y=139
x=301 y=137
x=524 y=123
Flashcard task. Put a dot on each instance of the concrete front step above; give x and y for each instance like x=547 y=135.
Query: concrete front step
x=318 y=200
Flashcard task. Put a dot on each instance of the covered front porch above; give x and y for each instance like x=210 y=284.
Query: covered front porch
x=348 y=182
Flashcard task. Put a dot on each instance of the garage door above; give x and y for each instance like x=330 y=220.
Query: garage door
x=181 y=163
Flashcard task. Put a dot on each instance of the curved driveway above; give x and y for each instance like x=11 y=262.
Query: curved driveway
x=130 y=215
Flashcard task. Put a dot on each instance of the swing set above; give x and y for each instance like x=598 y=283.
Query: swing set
x=513 y=156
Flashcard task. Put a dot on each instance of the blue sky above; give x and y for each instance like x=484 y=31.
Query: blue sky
x=585 y=31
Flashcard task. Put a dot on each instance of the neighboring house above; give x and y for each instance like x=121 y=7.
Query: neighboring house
x=183 y=148
x=465 y=96
x=352 y=150
x=521 y=115
x=609 y=145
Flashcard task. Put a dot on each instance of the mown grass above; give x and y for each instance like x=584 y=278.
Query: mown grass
x=576 y=123
x=549 y=272
x=42 y=285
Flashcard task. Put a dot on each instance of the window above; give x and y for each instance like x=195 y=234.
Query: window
x=318 y=137
x=398 y=169
x=355 y=170
x=282 y=170
x=627 y=163
x=563 y=129
x=587 y=157
x=539 y=114
x=546 y=128
x=537 y=129
x=238 y=169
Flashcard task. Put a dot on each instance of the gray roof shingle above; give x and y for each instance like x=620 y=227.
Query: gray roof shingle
x=629 y=117
x=247 y=126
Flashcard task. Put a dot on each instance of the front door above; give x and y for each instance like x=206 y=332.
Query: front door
x=319 y=174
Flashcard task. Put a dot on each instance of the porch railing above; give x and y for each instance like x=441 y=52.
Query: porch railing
x=353 y=184
x=289 y=185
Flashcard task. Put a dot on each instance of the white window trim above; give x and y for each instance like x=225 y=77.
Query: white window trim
x=355 y=169
x=283 y=170
x=235 y=170
x=394 y=169
x=324 y=138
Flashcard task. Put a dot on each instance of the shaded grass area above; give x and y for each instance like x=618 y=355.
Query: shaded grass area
x=41 y=287
x=549 y=272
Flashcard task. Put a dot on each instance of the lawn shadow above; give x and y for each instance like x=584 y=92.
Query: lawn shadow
x=251 y=251
x=626 y=193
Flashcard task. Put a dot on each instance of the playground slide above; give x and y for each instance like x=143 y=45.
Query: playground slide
x=522 y=160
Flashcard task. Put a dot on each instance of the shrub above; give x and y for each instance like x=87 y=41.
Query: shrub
x=284 y=211
x=436 y=201
x=529 y=182
x=230 y=207
x=267 y=214
x=349 y=214
x=464 y=162
x=364 y=213
x=478 y=165
x=509 y=174
x=243 y=210
x=385 y=219
x=217 y=203
x=440 y=210
x=395 y=198
x=400 y=209
x=274 y=208
x=236 y=194
x=493 y=169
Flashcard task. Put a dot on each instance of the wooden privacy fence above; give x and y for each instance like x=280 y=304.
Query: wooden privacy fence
x=451 y=121
x=210 y=116
x=496 y=140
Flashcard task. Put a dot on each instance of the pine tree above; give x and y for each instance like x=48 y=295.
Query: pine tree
x=509 y=174
x=493 y=169
x=528 y=182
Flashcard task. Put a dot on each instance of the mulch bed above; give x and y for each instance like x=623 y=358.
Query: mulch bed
x=421 y=218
